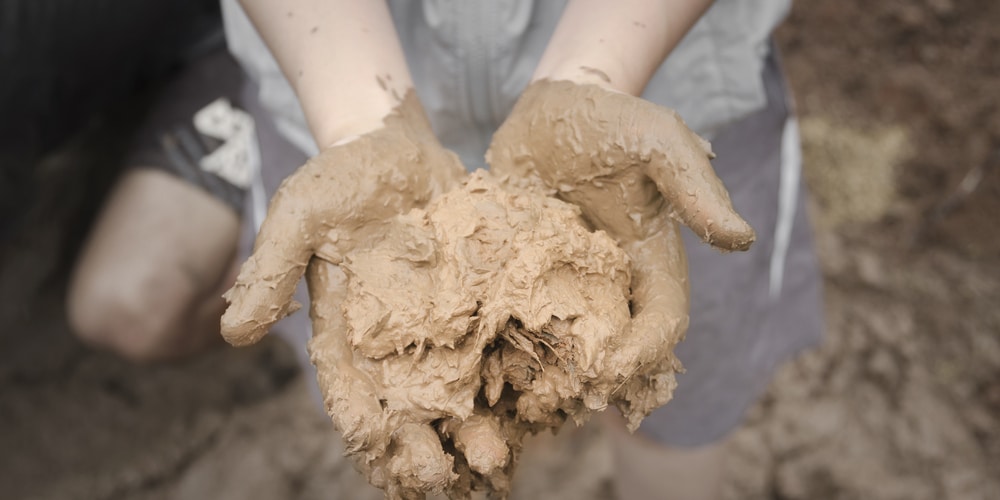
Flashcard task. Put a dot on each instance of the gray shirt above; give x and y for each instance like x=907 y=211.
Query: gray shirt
x=470 y=61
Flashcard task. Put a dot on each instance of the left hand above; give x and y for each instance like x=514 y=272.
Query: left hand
x=338 y=200
x=635 y=170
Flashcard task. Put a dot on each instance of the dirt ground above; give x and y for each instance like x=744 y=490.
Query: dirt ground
x=900 y=114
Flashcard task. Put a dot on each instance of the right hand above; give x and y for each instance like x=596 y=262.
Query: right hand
x=328 y=206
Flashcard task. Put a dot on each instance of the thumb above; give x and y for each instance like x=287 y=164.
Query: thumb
x=660 y=297
x=684 y=176
x=263 y=291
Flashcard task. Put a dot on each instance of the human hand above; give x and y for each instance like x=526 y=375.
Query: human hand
x=461 y=328
x=635 y=170
x=329 y=205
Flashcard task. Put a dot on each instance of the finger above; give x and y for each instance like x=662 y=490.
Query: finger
x=406 y=459
x=660 y=300
x=419 y=463
x=350 y=395
x=263 y=290
x=479 y=438
x=681 y=170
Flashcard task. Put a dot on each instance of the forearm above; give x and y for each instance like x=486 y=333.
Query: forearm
x=342 y=57
x=616 y=45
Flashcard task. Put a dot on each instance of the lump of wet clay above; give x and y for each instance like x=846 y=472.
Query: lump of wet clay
x=461 y=327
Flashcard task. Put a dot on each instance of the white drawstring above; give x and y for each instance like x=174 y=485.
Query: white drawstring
x=788 y=193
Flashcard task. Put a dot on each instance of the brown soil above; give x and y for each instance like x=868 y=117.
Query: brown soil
x=899 y=105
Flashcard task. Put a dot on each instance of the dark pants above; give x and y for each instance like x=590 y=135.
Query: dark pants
x=65 y=62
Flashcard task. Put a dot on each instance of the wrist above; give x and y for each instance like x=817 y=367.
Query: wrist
x=605 y=74
x=616 y=45
x=334 y=119
x=345 y=128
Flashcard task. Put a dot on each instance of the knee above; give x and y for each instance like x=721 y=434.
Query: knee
x=117 y=317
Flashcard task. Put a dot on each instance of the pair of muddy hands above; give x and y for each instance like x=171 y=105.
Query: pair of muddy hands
x=452 y=317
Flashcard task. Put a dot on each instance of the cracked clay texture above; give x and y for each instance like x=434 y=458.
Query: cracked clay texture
x=490 y=314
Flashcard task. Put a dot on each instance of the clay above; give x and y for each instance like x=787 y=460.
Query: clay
x=451 y=322
x=493 y=313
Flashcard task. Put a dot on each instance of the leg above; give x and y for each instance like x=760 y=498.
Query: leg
x=148 y=283
x=645 y=469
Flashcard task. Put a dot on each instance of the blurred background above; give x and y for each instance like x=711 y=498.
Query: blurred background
x=899 y=105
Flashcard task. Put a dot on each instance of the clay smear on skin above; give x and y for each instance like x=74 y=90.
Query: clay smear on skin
x=329 y=206
x=600 y=149
x=482 y=318
x=444 y=335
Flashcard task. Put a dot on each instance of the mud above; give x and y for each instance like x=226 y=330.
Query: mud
x=492 y=314
x=446 y=333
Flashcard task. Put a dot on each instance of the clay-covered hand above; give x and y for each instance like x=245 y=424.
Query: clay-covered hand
x=461 y=328
x=329 y=205
x=635 y=170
